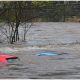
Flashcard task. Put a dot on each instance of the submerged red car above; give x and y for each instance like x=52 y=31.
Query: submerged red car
x=4 y=58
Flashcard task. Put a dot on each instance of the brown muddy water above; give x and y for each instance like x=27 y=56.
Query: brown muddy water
x=60 y=37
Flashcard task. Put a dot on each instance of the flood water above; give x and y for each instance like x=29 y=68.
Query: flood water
x=60 y=37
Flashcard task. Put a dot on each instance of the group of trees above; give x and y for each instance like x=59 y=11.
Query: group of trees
x=12 y=13
x=16 y=12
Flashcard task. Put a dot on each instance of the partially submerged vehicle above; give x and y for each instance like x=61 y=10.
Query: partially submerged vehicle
x=47 y=53
x=5 y=58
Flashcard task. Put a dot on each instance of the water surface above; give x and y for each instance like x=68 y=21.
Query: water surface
x=60 y=37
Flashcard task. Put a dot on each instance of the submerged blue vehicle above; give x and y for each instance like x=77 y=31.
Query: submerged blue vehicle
x=48 y=53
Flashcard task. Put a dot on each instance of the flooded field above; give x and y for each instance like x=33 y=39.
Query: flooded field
x=50 y=36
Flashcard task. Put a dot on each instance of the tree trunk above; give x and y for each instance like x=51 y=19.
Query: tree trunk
x=15 y=36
